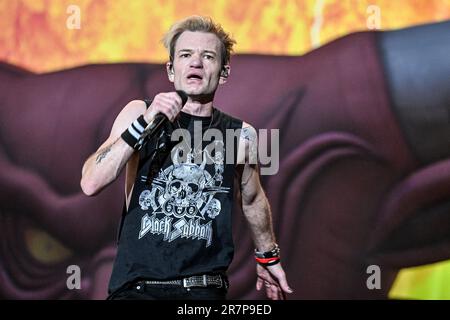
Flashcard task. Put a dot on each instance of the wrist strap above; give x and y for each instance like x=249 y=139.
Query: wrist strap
x=268 y=258
x=275 y=252
x=268 y=262
x=132 y=135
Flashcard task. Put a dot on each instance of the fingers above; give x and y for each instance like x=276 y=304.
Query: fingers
x=281 y=294
x=259 y=284
x=284 y=285
x=273 y=278
x=263 y=274
x=269 y=284
x=273 y=291
x=168 y=103
x=170 y=96
x=278 y=272
x=268 y=290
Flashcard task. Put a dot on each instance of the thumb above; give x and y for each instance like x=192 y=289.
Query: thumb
x=284 y=285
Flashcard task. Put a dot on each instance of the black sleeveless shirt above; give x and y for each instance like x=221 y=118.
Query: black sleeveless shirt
x=178 y=222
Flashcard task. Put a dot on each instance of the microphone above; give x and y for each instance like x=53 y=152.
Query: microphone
x=158 y=121
x=183 y=95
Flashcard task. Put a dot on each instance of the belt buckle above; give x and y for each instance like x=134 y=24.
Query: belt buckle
x=222 y=282
x=195 y=281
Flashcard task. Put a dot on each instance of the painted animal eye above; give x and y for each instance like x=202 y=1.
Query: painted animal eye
x=45 y=248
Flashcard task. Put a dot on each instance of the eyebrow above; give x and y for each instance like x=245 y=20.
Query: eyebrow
x=190 y=51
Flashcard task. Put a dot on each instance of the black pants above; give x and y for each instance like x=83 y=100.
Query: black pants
x=139 y=291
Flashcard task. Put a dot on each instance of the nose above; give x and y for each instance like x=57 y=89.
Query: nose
x=196 y=61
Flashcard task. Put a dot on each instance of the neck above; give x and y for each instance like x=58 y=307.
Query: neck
x=198 y=108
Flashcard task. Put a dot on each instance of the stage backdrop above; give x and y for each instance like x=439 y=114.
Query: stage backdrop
x=52 y=35
x=45 y=35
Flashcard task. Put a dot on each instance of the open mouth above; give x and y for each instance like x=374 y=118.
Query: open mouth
x=194 y=77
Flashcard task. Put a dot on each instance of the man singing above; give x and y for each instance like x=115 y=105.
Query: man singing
x=175 y=239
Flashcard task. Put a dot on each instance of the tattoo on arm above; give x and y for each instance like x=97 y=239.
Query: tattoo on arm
x=251 y=151
x=247 y=134
x=102 y=155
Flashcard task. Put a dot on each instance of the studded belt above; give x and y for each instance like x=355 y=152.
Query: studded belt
x=194 y=281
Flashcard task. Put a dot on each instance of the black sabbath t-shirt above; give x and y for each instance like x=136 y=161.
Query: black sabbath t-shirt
x=178 y=223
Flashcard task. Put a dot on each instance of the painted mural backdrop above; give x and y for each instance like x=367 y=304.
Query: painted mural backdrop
x=44 y=35
x=48 y=35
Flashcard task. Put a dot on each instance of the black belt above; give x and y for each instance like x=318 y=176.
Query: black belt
x=203 y=281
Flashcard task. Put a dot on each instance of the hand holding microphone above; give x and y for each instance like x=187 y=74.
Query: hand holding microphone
x=165 y=107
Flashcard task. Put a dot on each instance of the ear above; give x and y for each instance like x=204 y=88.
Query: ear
x=224 y=74
x=170 y=73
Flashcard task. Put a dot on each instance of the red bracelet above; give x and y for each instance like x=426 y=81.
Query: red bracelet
x=268 y=258
x=268 y=261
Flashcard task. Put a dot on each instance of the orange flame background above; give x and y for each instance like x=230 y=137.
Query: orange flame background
x=35 y=33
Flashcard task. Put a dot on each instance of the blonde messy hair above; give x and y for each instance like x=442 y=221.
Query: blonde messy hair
x=201 y=24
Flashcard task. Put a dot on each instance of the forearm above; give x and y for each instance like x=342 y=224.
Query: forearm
x=104 y=166
x=258 y=214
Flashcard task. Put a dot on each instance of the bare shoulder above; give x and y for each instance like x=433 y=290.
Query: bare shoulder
x=129 y=113
x=248 y=142
x=248 y=133
x=133 y=109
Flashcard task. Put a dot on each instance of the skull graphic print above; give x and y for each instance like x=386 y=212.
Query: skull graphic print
x=181 y=200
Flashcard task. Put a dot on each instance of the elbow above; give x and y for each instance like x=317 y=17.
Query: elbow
x=249 y=199
x=89 y=187
x=254 y=201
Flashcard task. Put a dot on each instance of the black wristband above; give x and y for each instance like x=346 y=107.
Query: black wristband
x=268 y=258
x=274 y=253
x=132 y=135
